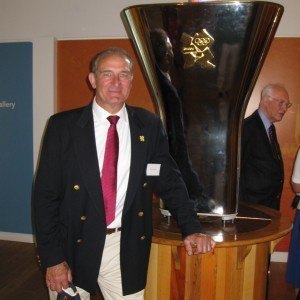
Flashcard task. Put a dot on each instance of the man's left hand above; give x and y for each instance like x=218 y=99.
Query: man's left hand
x=198 y=243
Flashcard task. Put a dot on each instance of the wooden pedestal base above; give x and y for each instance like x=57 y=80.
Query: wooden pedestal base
x=238 y=268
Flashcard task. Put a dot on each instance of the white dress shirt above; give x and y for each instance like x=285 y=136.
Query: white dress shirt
x=101 y=125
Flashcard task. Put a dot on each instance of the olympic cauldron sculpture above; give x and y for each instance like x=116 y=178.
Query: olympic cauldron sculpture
x=201 y=61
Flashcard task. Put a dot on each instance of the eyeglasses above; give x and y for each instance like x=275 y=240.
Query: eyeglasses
x=282 y=102
x=109 y=76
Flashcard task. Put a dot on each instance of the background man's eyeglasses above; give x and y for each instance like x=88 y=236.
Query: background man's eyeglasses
x=282 y=102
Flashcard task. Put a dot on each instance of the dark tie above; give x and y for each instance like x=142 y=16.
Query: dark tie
x=109 y=170
x=274 y=142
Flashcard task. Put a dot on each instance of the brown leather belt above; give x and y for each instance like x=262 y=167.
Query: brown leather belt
x=113 y=230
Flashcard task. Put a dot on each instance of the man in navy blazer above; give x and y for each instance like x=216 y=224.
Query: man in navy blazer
x=262 y=176
x=74 y=242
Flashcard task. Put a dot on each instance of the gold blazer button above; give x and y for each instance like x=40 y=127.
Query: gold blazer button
x=83 y=218
x=76 y=187
x=145 y=184
x=79 y=241
x=140 y=213
x=142 y=238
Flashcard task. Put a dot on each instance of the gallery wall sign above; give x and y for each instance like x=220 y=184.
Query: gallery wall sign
x=16 y=137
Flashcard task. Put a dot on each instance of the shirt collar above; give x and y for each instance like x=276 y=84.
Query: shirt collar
x=265 y=120
x=101 y=114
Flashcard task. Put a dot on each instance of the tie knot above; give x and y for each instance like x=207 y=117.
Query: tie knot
x=113 y=119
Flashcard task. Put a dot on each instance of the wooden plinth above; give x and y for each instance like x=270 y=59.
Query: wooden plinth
x=237 y=269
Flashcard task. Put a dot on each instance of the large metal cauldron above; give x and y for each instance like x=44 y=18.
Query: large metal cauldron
x=201 y=61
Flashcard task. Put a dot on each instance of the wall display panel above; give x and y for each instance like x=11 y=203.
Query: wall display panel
x=16 y=137
x=73 y=67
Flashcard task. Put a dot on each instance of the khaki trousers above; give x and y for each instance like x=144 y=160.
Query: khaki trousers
x=109 y=279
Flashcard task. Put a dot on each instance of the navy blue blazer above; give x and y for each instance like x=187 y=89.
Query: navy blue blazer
x=68 y=204
x=261 y=179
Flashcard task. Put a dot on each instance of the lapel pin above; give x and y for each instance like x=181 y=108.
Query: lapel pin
x=142 y=138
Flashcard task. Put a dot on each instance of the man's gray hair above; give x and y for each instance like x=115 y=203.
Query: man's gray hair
x=109 y=52
x=268 y=88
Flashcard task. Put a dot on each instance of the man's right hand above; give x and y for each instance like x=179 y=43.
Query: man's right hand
x=58 y=277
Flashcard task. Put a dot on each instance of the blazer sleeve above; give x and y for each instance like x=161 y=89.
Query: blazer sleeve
x=47 y=198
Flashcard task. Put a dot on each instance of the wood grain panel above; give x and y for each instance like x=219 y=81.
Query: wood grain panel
x=208 y=282
x=164 y=272
x=221 y=272
x=249 y=274
x=193 y=277
x=178 y=273
x=261 y=271
x=152 y=274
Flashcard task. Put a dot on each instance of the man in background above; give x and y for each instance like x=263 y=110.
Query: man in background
x=262 y=176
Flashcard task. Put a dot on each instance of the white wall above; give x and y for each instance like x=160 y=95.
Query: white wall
x=91 y=18
x=44 y=21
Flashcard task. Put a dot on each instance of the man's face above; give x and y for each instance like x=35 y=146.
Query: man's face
x=169 y=50
x=112 y=82
x=275 y=104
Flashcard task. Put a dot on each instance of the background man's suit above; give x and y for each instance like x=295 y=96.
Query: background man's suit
x=68 y=187
x=262 y=175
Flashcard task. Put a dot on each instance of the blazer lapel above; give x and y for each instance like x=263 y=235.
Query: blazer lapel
x=85 y=146
x=139 y=142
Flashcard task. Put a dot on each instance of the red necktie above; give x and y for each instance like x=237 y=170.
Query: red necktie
x=109 y=170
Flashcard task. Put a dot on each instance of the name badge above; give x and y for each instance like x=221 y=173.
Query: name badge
x=153 y=169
